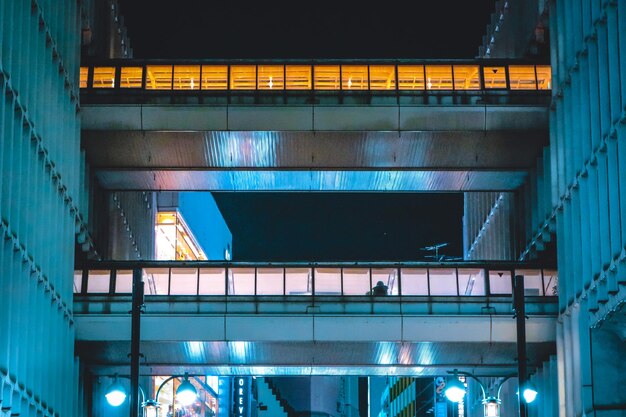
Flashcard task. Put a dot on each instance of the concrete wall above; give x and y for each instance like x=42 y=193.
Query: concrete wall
x=131 y=223
x=40 y=205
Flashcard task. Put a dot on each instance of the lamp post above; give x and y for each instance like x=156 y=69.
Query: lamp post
x=455 y=391
x=186 y=394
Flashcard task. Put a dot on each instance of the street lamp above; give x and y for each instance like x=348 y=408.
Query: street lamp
x=186 y=394
x=455 y=391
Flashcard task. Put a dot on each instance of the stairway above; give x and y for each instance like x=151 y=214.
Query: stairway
x=286 y=409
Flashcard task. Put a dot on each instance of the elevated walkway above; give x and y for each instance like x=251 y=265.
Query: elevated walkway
x=311 y=318
x=459 y=129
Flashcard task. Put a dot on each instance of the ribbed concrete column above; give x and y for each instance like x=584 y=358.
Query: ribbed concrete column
x=40 y=205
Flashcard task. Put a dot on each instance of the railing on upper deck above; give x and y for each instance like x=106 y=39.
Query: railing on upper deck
x=312 y=78
x=315 y=279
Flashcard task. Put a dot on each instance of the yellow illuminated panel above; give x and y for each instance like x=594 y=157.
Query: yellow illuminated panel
x=411 y=77
x=159 y=77
x=544 y=77
x=298 y=77
x=84 y=73
x=186 y=77
x=466 y=77
x=354 y=77
x=215 y=77
x=174 y=239
x=104 y=77
x=271 y=77
x=522 y=77
x=243 y=77
x=438 y=77
x=130 y=77
x=495 y=77
x=382 y=77
x=326 y=77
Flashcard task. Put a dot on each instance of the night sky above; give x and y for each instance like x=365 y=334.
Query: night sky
x=321 y=226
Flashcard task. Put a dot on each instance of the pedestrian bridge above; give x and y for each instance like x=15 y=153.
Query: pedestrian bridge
x=314 y=126
x=301 y=318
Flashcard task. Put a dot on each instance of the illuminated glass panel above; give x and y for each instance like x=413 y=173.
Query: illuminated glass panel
x=298 y=77
x=186 y=77
x=533 y=284
x=159 y=77
x=243 y=77
x=414 y=281
x=411 y=77
x=327 y=281
x=495 y=77
x=123 y=281
x=326 y=77
x=130 y=77
x=212 y=281
x=389 y=277
x=522 y=77
x=466 y=77
x=270 y=281
x=156 y=281
x=298 y=281
x=271 y=77
x=354 y=77
x=241 y=281
x=356 y=281
x=214 y=77
x=98 y=281
x=442 y=281
x=550 y=282
x=438 y=77
x=104 y=77
x=78 y=281
x=544 y=77
x=184 y=281
x=382 y=77
x=84 y=73
x=471 y=281
x=500 y=282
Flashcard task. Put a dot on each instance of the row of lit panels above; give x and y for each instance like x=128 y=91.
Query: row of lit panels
x=318 y=77
x=318 y=281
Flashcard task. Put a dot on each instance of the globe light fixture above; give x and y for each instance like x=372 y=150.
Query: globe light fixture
x=529 y=393
x=455 y=389
x=116 y=394
x=186 y=392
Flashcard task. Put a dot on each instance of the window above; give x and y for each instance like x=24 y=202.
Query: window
x=298 y=77
x=495 y=77
x=438 y=77
x=326 y=77
x=466 y=77
x=544 y=77
x=356 y=281
x=411 y=77
x=241 y=281
x=78 y=281
x=159 y=77
x=243 y=77
x=99 y=281
x=471 y=281
x=187 y=77
x=123 y=282
x=269 y=281
x=327 y=281
x=500 y=282
x=184 y=281
x=443 y=281
x=104 y=77
x=522 y=77
x=533 y=283
x=214 y=77
x=271 y=77
x=130 y=77
x=414 y=281
x=84 y=74
x=212 y=281
x=354 y=77
x=298 y=281
x=156 y=281
x=382 y=77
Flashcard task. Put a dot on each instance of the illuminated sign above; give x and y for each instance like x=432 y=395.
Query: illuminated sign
x=241 y=397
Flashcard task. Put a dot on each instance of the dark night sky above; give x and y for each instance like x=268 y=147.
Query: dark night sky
x=318 y=226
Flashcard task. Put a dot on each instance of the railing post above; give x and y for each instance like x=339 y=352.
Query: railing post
x=135 y=338
x=520 y=317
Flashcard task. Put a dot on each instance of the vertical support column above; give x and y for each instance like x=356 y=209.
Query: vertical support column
x=135 y=340
x=520 y=317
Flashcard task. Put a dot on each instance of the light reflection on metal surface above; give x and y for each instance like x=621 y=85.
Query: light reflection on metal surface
x=313 y=180
x=386 y=353
x=195 y=350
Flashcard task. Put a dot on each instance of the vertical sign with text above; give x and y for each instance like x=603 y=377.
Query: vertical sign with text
x=241 y=396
